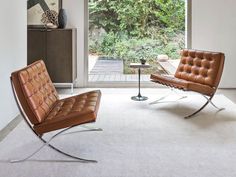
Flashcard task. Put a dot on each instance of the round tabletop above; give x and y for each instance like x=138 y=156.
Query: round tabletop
x=139 y=65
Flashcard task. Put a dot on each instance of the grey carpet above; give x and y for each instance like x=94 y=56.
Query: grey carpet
x=139 y=140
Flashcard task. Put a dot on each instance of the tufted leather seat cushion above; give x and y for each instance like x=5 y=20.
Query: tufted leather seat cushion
x=198 y=71
x=40 y=102
x=171 y=81
x=71 y=111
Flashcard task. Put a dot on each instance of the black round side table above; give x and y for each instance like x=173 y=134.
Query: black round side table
x=139 y=97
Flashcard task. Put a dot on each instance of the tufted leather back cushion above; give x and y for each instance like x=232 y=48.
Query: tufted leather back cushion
x=201 y=67
x=35 y=91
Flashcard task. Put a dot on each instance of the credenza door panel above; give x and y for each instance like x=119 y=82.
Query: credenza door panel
x=60 y=55
x=36 y=45
x=57 y=48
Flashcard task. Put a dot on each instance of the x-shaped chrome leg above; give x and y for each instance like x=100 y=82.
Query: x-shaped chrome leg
x=209 y=100
x=47 y=143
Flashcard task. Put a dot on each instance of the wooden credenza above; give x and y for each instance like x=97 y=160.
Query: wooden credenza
x=57 y=47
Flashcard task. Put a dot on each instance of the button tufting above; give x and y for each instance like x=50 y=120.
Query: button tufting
x=38 y=89
x=198 y=66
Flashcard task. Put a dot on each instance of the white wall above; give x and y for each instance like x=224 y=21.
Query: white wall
x=75 y=15
x=214 y=28
x=13 y=53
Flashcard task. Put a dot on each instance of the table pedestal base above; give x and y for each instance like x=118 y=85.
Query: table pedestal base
x=139 y=98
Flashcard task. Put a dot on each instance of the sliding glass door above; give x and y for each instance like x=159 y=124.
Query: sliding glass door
x=124 y=31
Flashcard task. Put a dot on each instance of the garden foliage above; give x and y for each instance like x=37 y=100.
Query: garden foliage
x=134 y=29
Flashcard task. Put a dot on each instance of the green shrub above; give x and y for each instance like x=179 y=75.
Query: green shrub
x=137 y=29
x=136 y=17
x=133 y=49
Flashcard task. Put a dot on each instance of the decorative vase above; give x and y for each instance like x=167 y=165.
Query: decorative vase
x=62 y=18
x=143 y=61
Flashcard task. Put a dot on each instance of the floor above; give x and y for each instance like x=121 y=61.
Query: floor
x=107 y=67
x=139 y=140
x=117 y=78
x=229 y=93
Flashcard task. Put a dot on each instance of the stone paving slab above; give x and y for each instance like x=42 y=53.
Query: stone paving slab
x=107 y=67
x=117 y=77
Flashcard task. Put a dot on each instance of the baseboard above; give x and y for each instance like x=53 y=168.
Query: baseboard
x=6 y=130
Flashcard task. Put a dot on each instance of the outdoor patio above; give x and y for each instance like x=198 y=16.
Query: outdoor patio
x=103 y=70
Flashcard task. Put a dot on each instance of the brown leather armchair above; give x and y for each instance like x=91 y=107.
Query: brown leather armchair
x=198 y=71
x=42 y=109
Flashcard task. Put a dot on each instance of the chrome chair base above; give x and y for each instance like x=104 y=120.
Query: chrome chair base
x=209 y=100
x=47 y=143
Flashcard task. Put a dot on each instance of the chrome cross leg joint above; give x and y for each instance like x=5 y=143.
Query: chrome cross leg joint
x=209 y=100
x=47 y=143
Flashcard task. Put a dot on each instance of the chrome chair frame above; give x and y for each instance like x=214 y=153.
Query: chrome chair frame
x=208 y=98
x=158 y=101
x=47 y=142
